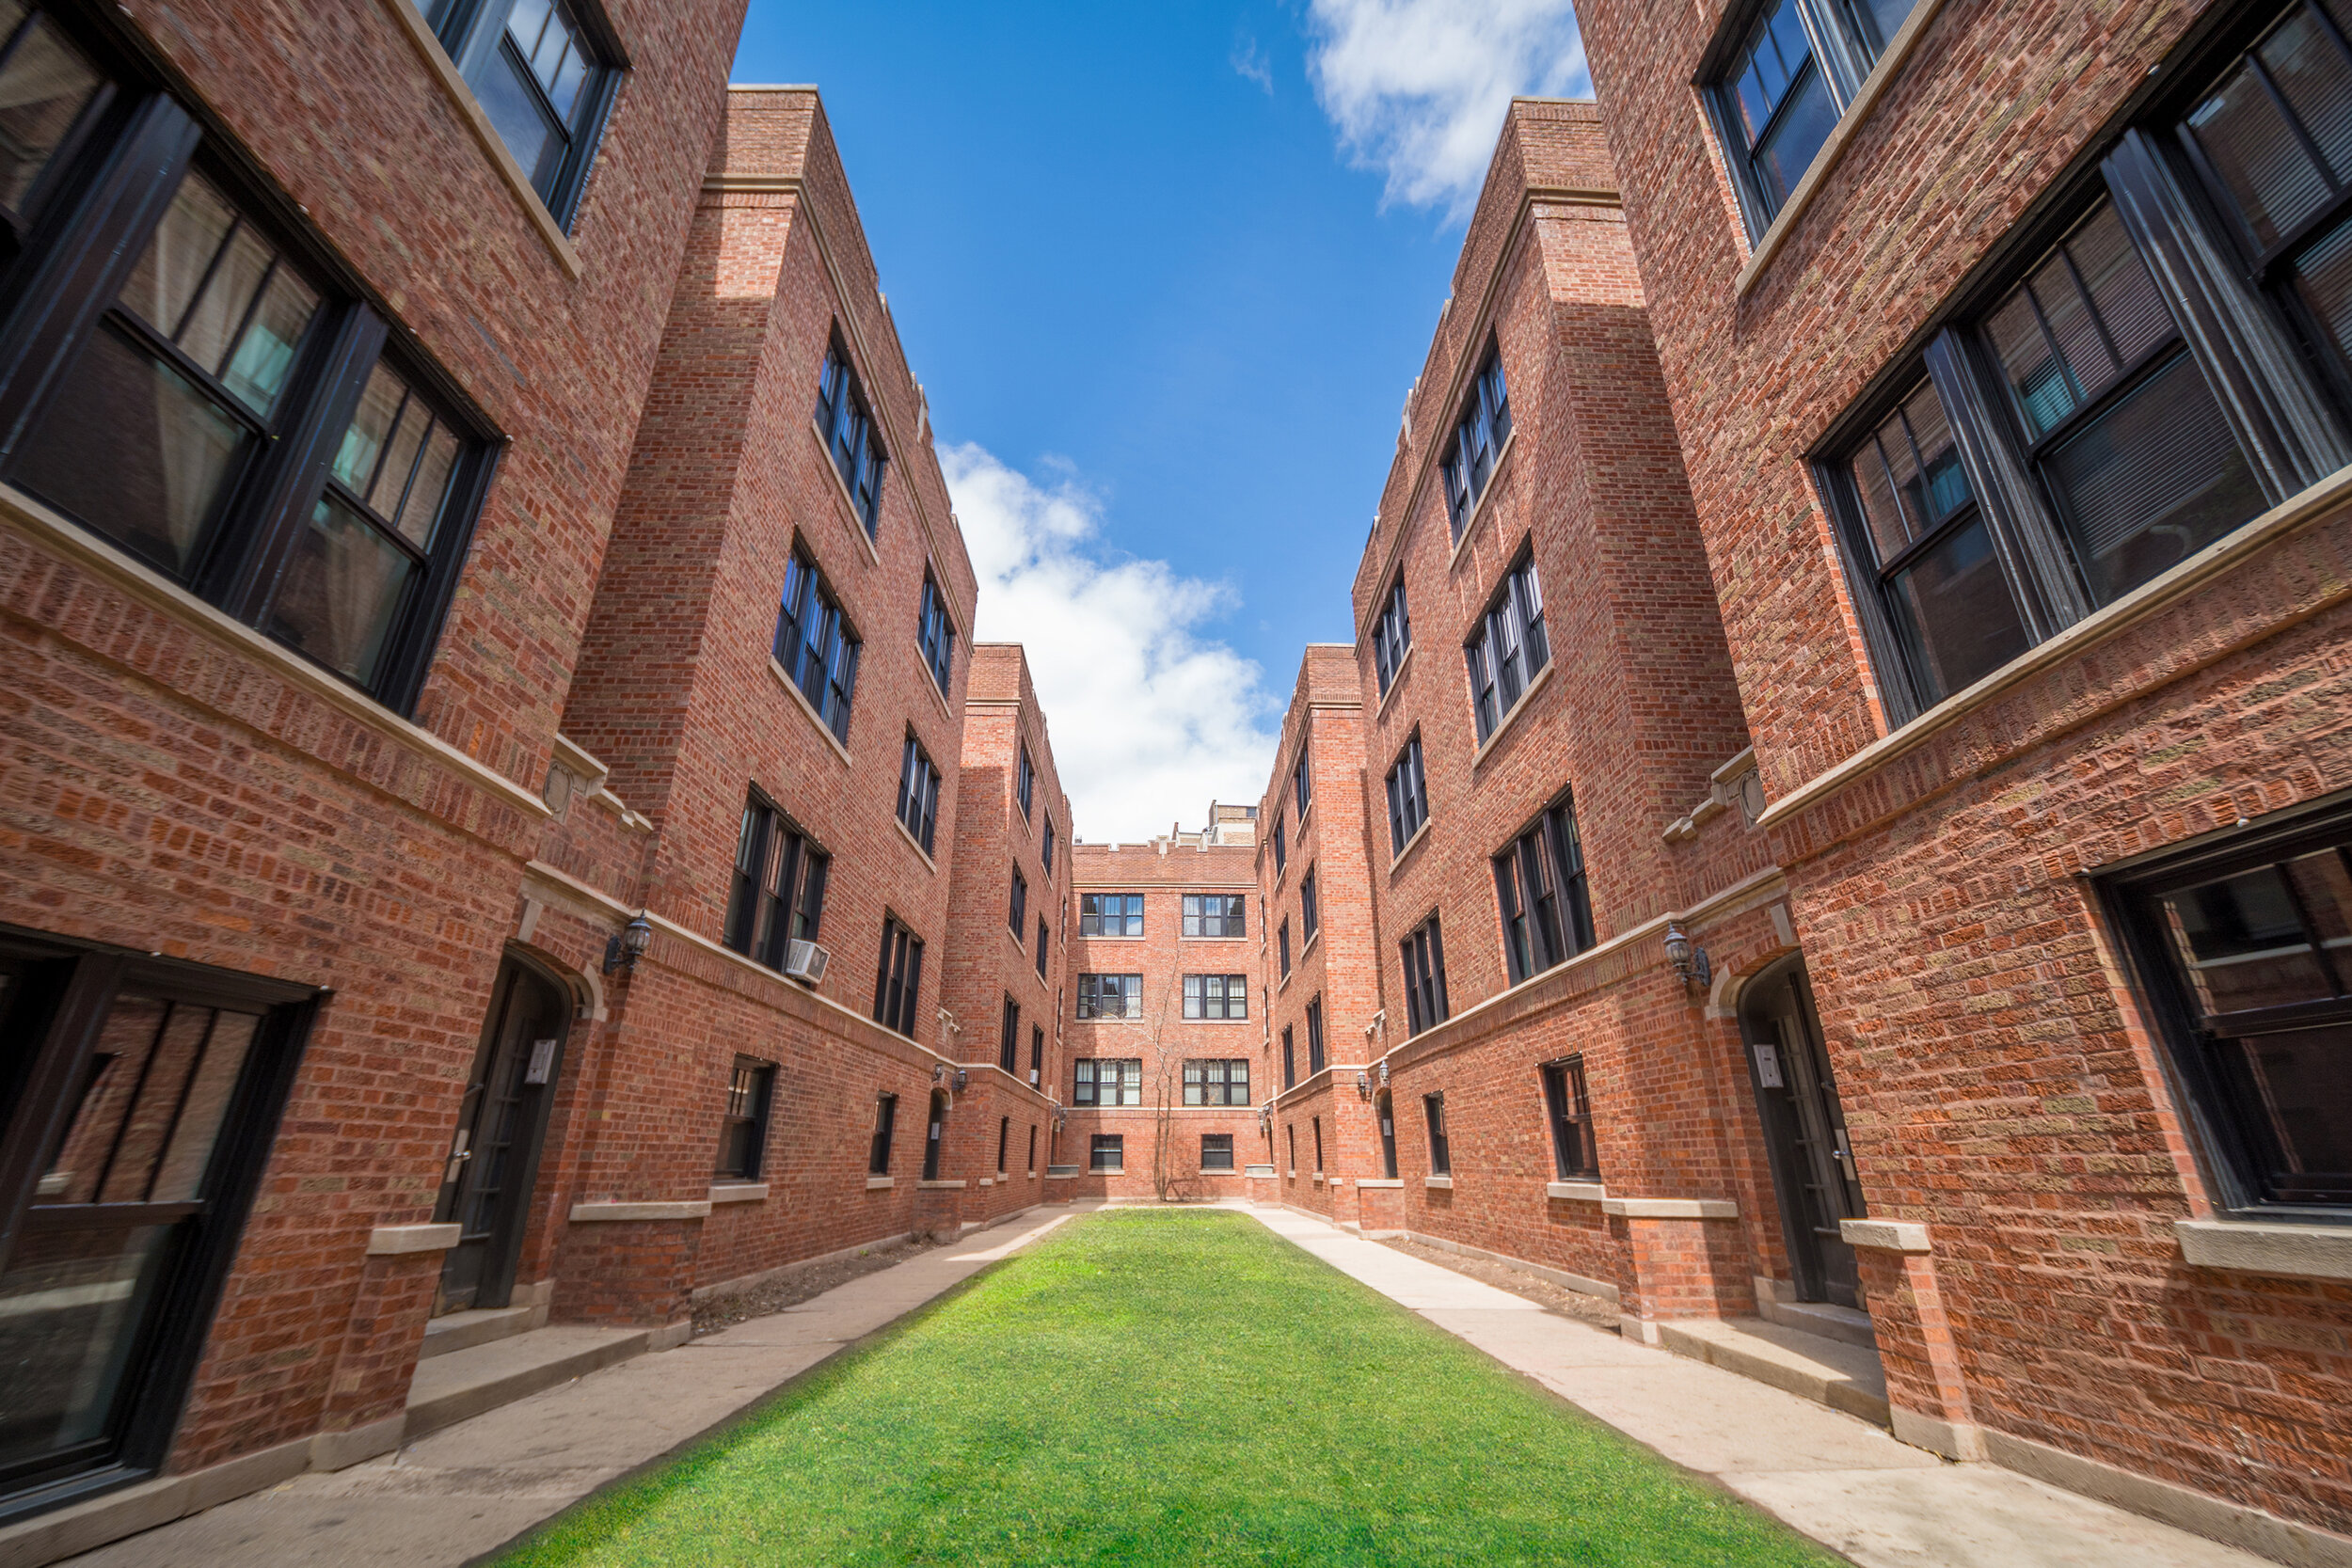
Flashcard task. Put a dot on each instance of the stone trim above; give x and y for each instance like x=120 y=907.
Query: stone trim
x=913 y=843
x=1671 y=1208
x=1510 y=716
x=597 y=1213
x=2247 y=1246
x=936 y=1186
x=1577 y=1282
x=876 y=1183
x=1884 y=1235
x=800 y=699
x=1577 y=1191
x=50 y=530
x=1380 y=1181
x=1898 y=49
x=453 y=87
x=391 y=1241
x=1443 y=1183
x=738 y=1192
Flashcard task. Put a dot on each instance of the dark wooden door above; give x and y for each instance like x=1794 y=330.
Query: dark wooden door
x=494 y=1156
x=1388 y=1137
x=1804 y=1125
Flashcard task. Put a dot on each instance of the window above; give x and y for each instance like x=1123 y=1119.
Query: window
x=1509 y=646
x=1046 y=852
x=1289 y=1068
x=2062 y=440
x=1306 y=915
x=918 y=793
x=1317 y=1123
x=1216 y=1151
x=1283 y=947
x=1282 y=847
x=1217 y=1083
x=2246 y=948
x=1004 y=1142
x=885 y=1122
x=1385 y=1108
x=1391 y=636
x=1425 y=977
x=1216 y=996
x=1025 y=787
x=1020 y=909
x=1302 y=786
x=1040 y=947
x=1107 y=1152
x=935 y=634
x=1108 y=1082
x=1408 y=797
x=1037 y=1050
x=1572 y=1153
x=1110 y=914
x=1315 y=1035
x=815 y=645
x=145 y=1101
x=743 y=1131
x=934 y=1137
x=1290 y=1141
x=1440 y=1152
x=207 y=392
x=778 y=893
x=1777 y=96
x=1539 y=883
x=1476 y=444
x=544 y=72
x=1110 y=996
x=1008 y=1038
x=845 y=420
x=1032 y=1149
x=899 y=978
x=1214 y=914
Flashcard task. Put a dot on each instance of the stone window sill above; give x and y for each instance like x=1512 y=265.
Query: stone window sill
x=808 y=709
x=1577 y=1191
x=841 y=493
x=1443 y=1183
x=876 y=1183
x=914 y=843
x=1396 y=678
x=1874 y=87
x=1479 y=507
x=590 y=1213
x=390 y=1241
x=1413 y=842
x=1671 y=1208
x=461 y=96
x=738 y=1192
x=1503 y=725
x=938 y=1186
x=1379 y=1181
x=2255 y=1246
x=1884 y=1235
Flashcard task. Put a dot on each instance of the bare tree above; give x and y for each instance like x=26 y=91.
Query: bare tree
x=1171 y=1183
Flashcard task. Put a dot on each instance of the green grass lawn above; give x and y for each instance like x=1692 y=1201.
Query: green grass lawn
x=1148 y=1387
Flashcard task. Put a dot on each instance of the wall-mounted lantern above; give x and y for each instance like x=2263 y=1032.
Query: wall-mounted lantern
x=1689 y=959
x=628 y=945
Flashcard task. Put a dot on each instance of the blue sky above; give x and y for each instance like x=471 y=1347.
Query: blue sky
x=1166 y=272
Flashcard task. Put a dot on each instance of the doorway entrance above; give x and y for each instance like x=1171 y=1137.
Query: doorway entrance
x=1804 y=1129
x=494 y=1157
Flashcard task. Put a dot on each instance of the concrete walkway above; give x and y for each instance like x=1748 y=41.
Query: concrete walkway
x=465 y=1489
x=1840 y=1481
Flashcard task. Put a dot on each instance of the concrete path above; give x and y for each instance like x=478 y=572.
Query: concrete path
x=468 y=1488
x=1840 y=1481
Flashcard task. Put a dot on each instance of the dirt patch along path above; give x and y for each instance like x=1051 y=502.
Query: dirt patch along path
x=1550 y=1295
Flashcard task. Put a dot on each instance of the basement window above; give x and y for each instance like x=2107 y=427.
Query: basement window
x=743 y=1131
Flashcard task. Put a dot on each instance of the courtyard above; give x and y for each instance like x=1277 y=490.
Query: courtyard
x=1148 y=1388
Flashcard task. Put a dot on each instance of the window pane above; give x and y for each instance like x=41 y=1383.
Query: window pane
x=2242 y=941
x=342 y=586
x=1803 y=125
x=1940 y=486
x=430 y=486
x=2045 y=393
x=1959 y=620
x=513 y=107
x=42 y=90
x=2067 y=318
x=164 y=282
x=133 y=448
x=2250 y=144
x=2121 y=289
x=2312 y=77
x=356 y=458
x=220 y=306
x=2152 y=481
x=2323 y=277
x=1887 y=16
x=70 y=1304
x=2292 y=1095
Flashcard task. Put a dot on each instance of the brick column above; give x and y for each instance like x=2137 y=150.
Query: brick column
x=939 y=1210
x=631 y=1265
x=367 y=1400
x=1925 y=1389
x=1684 y=1258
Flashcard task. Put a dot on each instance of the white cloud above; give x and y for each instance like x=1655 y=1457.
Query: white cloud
x=1151 y=720
x=1418 y=89
x=1250 y=64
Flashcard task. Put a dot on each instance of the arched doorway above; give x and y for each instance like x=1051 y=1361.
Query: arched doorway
x=494 y=1156
x=1804 y=1129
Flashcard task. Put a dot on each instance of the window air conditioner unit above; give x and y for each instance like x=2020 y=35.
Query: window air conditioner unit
x=806 y=962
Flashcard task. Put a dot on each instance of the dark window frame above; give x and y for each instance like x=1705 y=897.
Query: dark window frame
x=1315 y=1058
x=1130 y=911
x=1107 y=1152
x=1091 y=994
x=474 y=34
x=1510 y=645
x=919 y=783
x=1025 y=781
x=1302 y=783
x=935 y=634
x=1216 y=1151
x=1473 y=448
x=1017 y=912
x=1231 y=998
x=1568 y=1112
x=823 y=670
x=1290 y=1063
x=2236 y=1152
x=1309 y=911
x=1216 y=1081
x=1844 y=42
x=1042 y=938
x=1555 y=924
x=776 y=890
x=1441 y=1144
x=1231 y=919
x=845 y=421
x=1408 y=795
x=1423 y=950
x=1281 y=844
x=743 y=1124
x=885 y=1127
x=1391 y=635
x=1087 y=1080
x=1009 y=1037
x=898 y=977
x=1282 y=945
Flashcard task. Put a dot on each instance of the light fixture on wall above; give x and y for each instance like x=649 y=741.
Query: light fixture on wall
x=1689 y=959
x=1265 y=1120
x=1384 y=1072
x=1363 y=1085
x=628 y=945
x=939 y=1073
x=962 y=1078
x=1060 y=1117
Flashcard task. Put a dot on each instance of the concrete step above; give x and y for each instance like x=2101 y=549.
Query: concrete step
x=449 y=1388
x=1823 y=1318
x=1827 y=1371
x=464 y=1330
